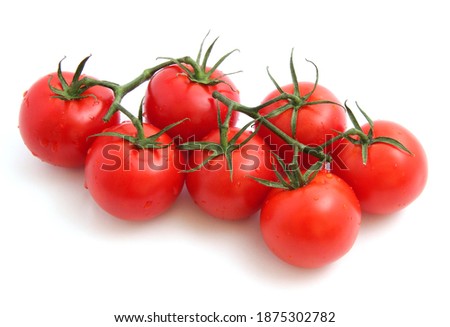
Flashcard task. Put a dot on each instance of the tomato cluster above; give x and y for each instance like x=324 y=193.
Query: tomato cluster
x=296 y=162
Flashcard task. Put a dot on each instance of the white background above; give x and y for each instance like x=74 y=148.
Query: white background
x=64 y=262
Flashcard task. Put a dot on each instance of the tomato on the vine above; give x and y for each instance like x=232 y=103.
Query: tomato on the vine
x=172 y=96
x=391 y=178
x=134 y=183
x=313 y=225
x=56 y=130
x=227 y=195
x=315 y=123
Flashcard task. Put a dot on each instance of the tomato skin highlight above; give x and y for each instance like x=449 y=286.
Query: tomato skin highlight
x=171 y=97
x=315 y=123
x=212 y=190
x=56 y=131
x=314 y=225
x=392 y=178
x=130 y=183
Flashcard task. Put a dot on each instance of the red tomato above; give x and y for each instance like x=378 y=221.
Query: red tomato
x=171 y=96
x=313 y=225
x=132 y=183
x=56 y=131
x=211 y=187
x=391 y=178
x=315 y=123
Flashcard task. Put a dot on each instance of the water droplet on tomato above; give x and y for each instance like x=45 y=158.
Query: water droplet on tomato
x=54 y=147
x=44 y=143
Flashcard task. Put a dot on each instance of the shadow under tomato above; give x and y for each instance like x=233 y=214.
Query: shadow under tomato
x=374 y=224
x=240 y=243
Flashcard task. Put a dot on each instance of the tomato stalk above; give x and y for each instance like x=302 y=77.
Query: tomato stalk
x=253 y=112
x=73 y=90
x=140 y=141
x=296 y=101
x=120 y=91
x=365 y=140
x=77 y=87
x=200 y=73
x=225 y=147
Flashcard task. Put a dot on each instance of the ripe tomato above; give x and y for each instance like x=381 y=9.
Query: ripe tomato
x=171 y=96
x=315 y=123
x=211 y=187
x=391 y=179
x=133 y=183
x=313 y=225
x=56 y=131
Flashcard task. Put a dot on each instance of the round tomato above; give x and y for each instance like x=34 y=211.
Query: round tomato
x=216 y=193
x=55 y=130
x=316 y=123
x=133 y=183
x=392 y=178
x=171 y=96
x=313 y=225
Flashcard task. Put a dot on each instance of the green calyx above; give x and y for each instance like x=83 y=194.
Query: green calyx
x=199 y=72
x=73 y=90
x=225 y=148
x=357 y=136
x=140 y=141
x=296 y=100
x=293 y=178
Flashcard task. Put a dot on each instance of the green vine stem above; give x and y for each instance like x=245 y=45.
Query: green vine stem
x=253 y=112
x=120 y=91
x=355 y=135
x=77 y=88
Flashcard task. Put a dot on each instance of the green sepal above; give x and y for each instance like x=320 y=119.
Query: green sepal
x=202 y=164
x=295 y=101
x=234 y=139
x=75 y=89
x=294 y=75
x=366 y=116
x=125 y=137
x=393 y=142
x=143 y=142
x=352 y=117
x=151 y=140
x=198 y=73
x=312 y=171
x=316 y=82
x=364 y=152
x=278 y=111
x=366 y=140
x=271 y=184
